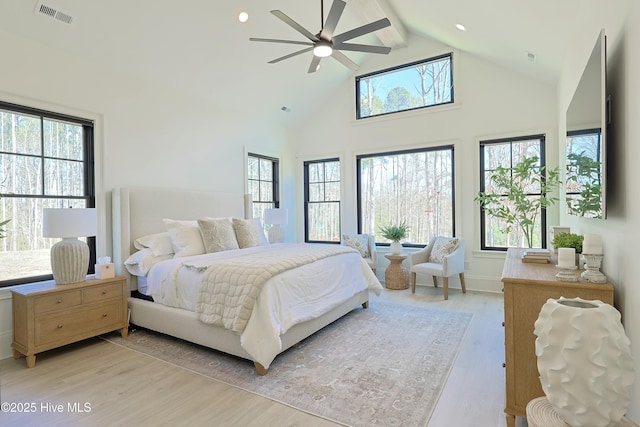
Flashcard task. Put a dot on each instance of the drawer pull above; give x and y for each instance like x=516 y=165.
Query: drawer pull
x=60 y=326
x=104 y=314
x=503 y=324
x=504 y=365
x=104 y=292
x=59 y=301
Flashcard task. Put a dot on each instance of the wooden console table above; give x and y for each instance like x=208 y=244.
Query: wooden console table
x=527 y=286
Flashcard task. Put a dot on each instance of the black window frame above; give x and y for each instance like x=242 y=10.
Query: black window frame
x=307 y=202
x=274 y=201
x=88 y=176
x=402 y=67
x=543 y=211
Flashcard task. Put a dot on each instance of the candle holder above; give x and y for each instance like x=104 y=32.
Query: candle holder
x=567 y=273
x=592 y=273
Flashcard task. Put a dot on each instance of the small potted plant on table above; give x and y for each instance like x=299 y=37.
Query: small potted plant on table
x=395 y=233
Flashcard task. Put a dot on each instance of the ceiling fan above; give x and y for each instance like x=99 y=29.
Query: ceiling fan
x=325 y=43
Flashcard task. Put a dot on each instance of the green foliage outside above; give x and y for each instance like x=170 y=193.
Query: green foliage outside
x=584 y=186
x=510 y=198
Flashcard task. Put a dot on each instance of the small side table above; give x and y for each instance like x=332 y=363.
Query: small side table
x=394 y=277
x=540 y=413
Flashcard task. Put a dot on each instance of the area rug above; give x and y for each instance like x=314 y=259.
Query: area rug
x=385 y=365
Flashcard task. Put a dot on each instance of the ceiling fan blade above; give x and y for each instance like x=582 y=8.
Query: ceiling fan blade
x=291 y=55
x=315 y=62
x=332 y=19
x=299 y=28
x=360 y=31
x=256 y=39
x=362 y=48
x=342 y=58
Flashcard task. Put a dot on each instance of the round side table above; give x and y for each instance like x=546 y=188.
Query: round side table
x=394 y=277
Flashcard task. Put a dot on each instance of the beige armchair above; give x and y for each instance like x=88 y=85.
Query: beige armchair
x=442 y=257
x=366 y=244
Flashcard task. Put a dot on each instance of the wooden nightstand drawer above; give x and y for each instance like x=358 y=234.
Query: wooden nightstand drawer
x=52 y=328
x=102 y=292
x=58 y=301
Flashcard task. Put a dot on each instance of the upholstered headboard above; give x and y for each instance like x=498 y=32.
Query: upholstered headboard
x=138 y=211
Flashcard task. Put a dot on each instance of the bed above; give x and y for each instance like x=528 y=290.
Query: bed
x=303 y=287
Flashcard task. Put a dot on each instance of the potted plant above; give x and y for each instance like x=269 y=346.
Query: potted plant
x=568 y=240
x=510 y=200
x=395 y=233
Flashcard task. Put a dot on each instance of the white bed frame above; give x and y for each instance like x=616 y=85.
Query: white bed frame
x=138 y=211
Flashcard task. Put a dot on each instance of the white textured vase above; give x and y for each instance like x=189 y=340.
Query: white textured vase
x=584 y=361
x=395 y=248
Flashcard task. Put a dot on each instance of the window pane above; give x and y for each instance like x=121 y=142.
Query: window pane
x=416 y=85
x=63 y=140
x=332 y=191
x=266 y=170
x=63 y=178
x=414 y=187
x=316 y=172
x=20 y=133
x=324 y=222
x=266 y=191
x=254 y=190
x=316 y=192
x=252 y=168
x=20 y=175
x=332 y=170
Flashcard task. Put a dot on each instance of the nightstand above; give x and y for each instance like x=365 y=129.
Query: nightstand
x=46 y=315
x=394 y=275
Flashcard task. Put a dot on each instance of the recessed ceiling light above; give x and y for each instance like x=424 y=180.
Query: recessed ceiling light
x=461 y=27
x=243 y=17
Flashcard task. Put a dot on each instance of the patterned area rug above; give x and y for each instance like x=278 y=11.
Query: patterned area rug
x=385 y=365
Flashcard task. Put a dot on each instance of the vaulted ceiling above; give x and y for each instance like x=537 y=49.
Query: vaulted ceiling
x=199 y=47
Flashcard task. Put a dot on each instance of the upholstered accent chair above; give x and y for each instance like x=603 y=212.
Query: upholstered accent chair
x=442 y=257
x=365 y=244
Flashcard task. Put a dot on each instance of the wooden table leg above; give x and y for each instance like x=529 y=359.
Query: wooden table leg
x=31 y=361
x=511 y=420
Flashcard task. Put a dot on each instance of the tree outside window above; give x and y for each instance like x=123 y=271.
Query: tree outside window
x=322 y=200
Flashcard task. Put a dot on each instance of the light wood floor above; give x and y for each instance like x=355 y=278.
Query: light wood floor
x=123 y=387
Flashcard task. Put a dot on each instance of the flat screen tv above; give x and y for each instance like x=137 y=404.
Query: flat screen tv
x=585 y=181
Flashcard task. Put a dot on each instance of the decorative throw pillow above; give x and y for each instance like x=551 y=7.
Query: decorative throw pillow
x=217 y=234
x=185 y=237
x=159 y=243
x=139 y=263
x=442 y=247
x=360 y=242
x=249 y=233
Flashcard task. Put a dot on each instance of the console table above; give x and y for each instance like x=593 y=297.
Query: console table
x=527 y=286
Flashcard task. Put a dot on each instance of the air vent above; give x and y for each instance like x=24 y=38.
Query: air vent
x=52 y=12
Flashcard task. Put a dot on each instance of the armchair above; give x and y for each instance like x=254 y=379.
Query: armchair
x=366 y=245
x=442 y=257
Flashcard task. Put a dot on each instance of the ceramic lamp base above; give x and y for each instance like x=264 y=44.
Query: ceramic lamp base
x=276 y=234
x=69 y=261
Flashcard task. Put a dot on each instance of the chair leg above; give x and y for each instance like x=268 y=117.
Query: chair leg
x=413 y=282
x=464 y=287
x=445 y=285
x=435 y=281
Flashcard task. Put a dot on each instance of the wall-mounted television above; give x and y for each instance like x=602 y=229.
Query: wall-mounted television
x=585 y=180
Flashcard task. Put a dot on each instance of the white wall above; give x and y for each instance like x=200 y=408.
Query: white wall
x=146 y=134
x=620 y=230
x=490 y=102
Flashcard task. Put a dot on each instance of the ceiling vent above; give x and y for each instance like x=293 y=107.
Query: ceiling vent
x=52 y=12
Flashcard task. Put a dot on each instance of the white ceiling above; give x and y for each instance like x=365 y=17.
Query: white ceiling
x=199 y=47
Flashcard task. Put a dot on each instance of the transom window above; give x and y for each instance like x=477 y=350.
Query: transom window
x=322 y=200
x=411 y=186
x=262 y=183
x=46 y=161
x=407 y=87
x=509 y=153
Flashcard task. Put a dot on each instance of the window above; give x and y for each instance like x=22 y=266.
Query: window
x=407 y=87
x=509 y=153
x=262 y=175
x=46 y=161
x=322 y=201
x=584 y=173
x=413 y=186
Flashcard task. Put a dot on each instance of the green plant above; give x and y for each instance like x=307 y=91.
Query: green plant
x=395 y=233
x=569 y=240
x=511 y=199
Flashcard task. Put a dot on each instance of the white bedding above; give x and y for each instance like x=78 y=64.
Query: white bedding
x=288 y=298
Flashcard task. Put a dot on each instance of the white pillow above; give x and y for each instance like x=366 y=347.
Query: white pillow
x=217 y=234
x=442 y=247
x=185 y=237
x=139 y=263
x=249 y=233
x=159 y=243
x=360 y=242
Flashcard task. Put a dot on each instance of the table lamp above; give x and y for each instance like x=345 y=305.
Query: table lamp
x=70 y=256
x=276 y=217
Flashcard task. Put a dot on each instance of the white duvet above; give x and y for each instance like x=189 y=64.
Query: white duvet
x=287 y=299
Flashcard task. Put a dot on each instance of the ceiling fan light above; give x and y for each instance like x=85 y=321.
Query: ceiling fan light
x=322 y=49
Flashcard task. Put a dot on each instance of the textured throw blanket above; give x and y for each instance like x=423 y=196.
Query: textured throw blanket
x=230 y=287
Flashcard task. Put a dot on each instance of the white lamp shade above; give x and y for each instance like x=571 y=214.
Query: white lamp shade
x=276 y=216
x=69 y=222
